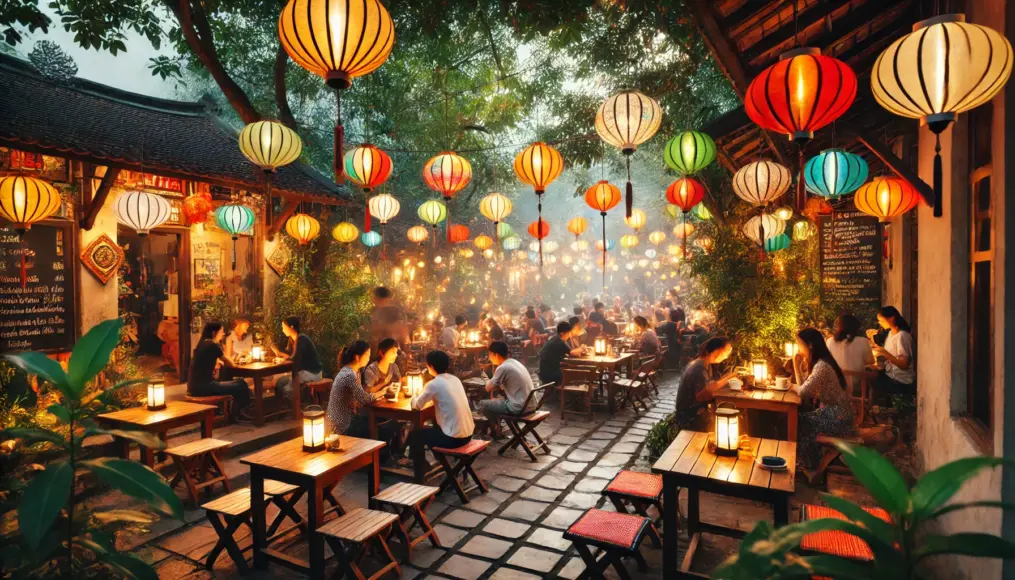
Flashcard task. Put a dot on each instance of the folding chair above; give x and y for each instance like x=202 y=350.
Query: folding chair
x=523 y=425
x=465 y=456
x=580 y=382
x=635 y=388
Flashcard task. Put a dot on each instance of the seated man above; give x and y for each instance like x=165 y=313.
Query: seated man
x=454 y=418
x=598 y=316
x=513 y=378
x=554 y=352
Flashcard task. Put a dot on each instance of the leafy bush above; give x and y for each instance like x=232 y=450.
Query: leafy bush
x=661 y=435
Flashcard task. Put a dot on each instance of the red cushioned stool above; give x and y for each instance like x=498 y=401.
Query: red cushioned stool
x=835 y=542
x=616 y=535
x=464 y=456
x=640 y=490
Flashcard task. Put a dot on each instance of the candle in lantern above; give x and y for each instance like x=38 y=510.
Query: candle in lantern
x=473 y=337
x=415 y=383
x=727 y=430
x=156 y=394
x=760 y=368
x=313 y=428
x=257 y=353
x=599 y=346
x=791 y=349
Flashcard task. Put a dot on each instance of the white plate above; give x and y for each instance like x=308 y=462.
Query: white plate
x=763 y=466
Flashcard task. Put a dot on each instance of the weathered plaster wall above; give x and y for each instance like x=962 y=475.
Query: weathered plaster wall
x=97 y=301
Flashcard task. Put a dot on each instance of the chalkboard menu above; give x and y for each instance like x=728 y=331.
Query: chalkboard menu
x=39 y=316
x=851 y=260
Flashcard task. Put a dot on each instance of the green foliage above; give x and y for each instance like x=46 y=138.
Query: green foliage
x=899 y=548
x=661 y=435
x=56 y=535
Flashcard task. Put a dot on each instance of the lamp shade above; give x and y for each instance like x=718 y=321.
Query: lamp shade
x=197 y=207
x=483 y=242
x=636 y=220
x=447 y=173
x=495 y=207
x=538 y=165
x=432 y=212
x=371 y=239
x=779 y=242
x=763 y=226
x=886 y=198
x=628 y=119
x=656 y=237
x=458 y=233
x=511 y=243
x=25 y=200
x=234 y=218
x=270 y=144
x=577 y=225
x=689 y=152
x=504 y=230
x=539 y=229
x=603 y=196
x=628 y=241
x=338 y=41
x=141 y=211
x=685 y=193
x=608 y=245
x=785 y=213
x=671 y=211
x=367 y=166
x=417 y=234
x=384 y=207
x=346 y=232
x=801 y=93
x=683 y=231
x=706 y=243
x=761 y=182
x=834 y=173
x=303 y=228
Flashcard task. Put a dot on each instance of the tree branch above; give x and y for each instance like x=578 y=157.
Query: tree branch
x=493 y=43
x=197 y=32
x=285 y=114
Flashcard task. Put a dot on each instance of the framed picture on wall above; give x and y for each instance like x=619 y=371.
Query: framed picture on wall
x=208 y=276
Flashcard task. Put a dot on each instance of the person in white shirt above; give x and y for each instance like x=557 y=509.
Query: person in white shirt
x=448 y=340
x=454 y=418
x=899 y=376
x=511 y=377
x=852 y=355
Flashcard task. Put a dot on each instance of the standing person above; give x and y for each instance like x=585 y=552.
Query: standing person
x=852 y=355
x=548 y=315
x=671 y=332
x=238 y=342
x=454 y=418
x=387 y=319
x=826 y=387
x=302 y=352
x=204 y=365
x=646 y=342
x=698 y=384
x=898 y=376
x=511 y=377
x=554 y=352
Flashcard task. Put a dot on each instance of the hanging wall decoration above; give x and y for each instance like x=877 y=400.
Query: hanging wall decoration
x=689 y=152
x=626 y=120
x=102 y=257
x=280 y=259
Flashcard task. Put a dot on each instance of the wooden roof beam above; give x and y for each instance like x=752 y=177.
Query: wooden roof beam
x=807 y=19
x=279 y=220
x=898 y=167
x=90 y=211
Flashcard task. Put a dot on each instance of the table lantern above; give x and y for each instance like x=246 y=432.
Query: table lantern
x=156 y=394
x=313 y=428
x=791 y=349
x=473 y=337
x=727 y=429
x=257 y=354
x=415 y=383
x=760 y=368
x=600 y=346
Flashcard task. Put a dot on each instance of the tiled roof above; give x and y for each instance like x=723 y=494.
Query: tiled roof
x=101 y=124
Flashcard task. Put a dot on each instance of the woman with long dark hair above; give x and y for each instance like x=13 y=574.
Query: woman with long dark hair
x=698 y=384
x=851 y=354
x=899 y=374
x=825 y=387
x=301 y=350
x=347 y=394
x=204 y=366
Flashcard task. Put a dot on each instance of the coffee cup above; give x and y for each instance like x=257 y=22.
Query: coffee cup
x=782 y=383
x=736 y=384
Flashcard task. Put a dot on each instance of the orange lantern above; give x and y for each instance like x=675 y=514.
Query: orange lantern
x=577 y=226
x=417 y=234
x=197 y=207
x=685 y=193
x=483 y=242
x=447 y=173
x=458 y=233
x=539 y=229
x=603 y=196
x=539 y=165
x=367 y=166
x=886 y=198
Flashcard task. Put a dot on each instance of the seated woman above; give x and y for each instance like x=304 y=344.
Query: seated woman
x=851 y=354
x=898 y=376
x=825 y=386
x=346 y=414
x=204 y=365
x=383 y=372
x=238 y=342
x=533 y=324
x=577 y=338
x=301 y=350
x=492 y=329
x=646 y=342
x=698 y=384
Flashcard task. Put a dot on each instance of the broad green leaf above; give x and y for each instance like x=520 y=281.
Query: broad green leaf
x=134 y=516
x=140 y=437
x=878 y=476
x=91 y=353
x=60 y=412
x=137 y=480
x=831 y=566
x=936 y=487
x=973 y=504
x=42 y=501
x=105 y=394
x=32 y=435
x=965 y=544
x=881 y=530
x=47 y=369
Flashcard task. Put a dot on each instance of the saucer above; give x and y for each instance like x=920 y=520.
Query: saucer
x=763 y=466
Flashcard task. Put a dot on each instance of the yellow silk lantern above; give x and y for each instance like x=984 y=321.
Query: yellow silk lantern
x=577 y=226
x=636 y=220
x=303 y=228
x=657 y=237
x=495 y=207
x=417 y=234
x=270 y=145
x=345 y=233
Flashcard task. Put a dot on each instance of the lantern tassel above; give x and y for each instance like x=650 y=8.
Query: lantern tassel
x=629 y=192
x=366 y=220
x=801 y=194
x=761 y=234
x=234 y=252
x=603 y=213
x=539 y=231
x=339 y=140
x=938 y=177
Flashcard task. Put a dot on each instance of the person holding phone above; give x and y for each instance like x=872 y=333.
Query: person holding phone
x=698 y=384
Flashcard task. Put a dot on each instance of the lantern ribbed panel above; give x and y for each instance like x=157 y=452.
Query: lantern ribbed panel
x=303 y=228
x=337 y=40
x=701 y=212
x=777 y=243
x=683 y=231
x=628 y=119
x=483 y=242
x=504 y=230
x=417 y=234
x=637 y=219
x=270 y=144
x=773 y=227
x=603 y=196
x=689 y=152
x=367 y=166
x=577 y=225
x=384 y=207
x=25 y=200
x=234 y=218
x=371 y=239
x=685 y=193
x=141 y=210
x=886 y=198
x=538 y=165
x=495 y=207
x=458 y=233
x=941 y=67
x=447 y=173
x=801 y=93
x=539 y=229
x=834 y=173
x=432 y=212
x=761 y=182
x=656 y=238
x=345 y=232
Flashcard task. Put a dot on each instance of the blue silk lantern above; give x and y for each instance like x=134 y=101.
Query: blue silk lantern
x=511 y=242
x=780 y=242
x=236 y=219
x=834 y=173
x=371 y=239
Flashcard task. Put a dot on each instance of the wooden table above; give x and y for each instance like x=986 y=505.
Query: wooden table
x=787 y=402
x=609 y=364
x=258 y=371
x=687 y=463
x=400 y=410
x=316 y=474
x=176 y=414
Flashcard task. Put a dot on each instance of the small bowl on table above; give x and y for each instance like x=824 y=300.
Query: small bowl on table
x=773 y=462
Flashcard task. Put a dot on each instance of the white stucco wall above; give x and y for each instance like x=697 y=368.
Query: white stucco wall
x=97 y=301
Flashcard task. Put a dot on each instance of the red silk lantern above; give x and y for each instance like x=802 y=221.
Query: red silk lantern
x=539 y=229
x=685 y=193
x=458 y=233
x=197 y=207
x=367 y=166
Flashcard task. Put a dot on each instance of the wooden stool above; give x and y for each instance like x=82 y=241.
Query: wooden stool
x=465 y=455
x=617 y=535
x=830 y=454
x=835 y=542
x=284 y=496
x=226 y=515
x=349 y=537
x=409 y=501
x=640 y=490
x=195 y=462
x=223 y=402
x=320 y=391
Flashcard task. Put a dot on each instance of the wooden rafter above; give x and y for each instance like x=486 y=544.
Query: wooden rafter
x=287 y=212
x=898 y=167
x=90 y=210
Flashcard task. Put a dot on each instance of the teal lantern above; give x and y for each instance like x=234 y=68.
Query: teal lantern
x=371 y=239
x=689 y=152
x=504 y=231
x=779 y=242
x=236 y=219
x=834 y=173
x=511 y=242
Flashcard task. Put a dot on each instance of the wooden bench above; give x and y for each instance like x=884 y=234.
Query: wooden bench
x=616 y=535
x=410 y=501
x=223 y=402
x=640 y=490
x=350 y=535
x=523 y=425
x=198 y=466
x=464 y=456
x=226 y=514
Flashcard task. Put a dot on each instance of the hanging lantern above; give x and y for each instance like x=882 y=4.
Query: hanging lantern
x=579 y=245
x=816 y=206
x=25 y=200
x=834 y=173
x=447 y=173
x=235 y=219
x=371 y=239
x=626 y=120
x=762 y=182
x=538 y=165
x=656 y=237
x=432 y=212
x=603 y=196
x=495 y=207
x=466 y=253
x=706 y=243
x=483 y=242
x=303 y=228
x=504 y=230
x=779 y=242
x=384 y=207
x=685 y=193
x=636 y=220
x=944 y=67
x=511 y=243
x=539 y=229
x=762 y=227
x=606 y=245
x=683 y=231
x=197 y=207
x=346 y=233
x=671 y=211
x=338 y=41
x=886 y=198
x=417 y=234
x=675 y=250
x=367 y=166
x=458 y=233
x=803 y=230
x=141 y=211
x=785 y=213
x=689 y=152
x=577 y=226
x=270 y=145
x=628 y=241
x=701 y=212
